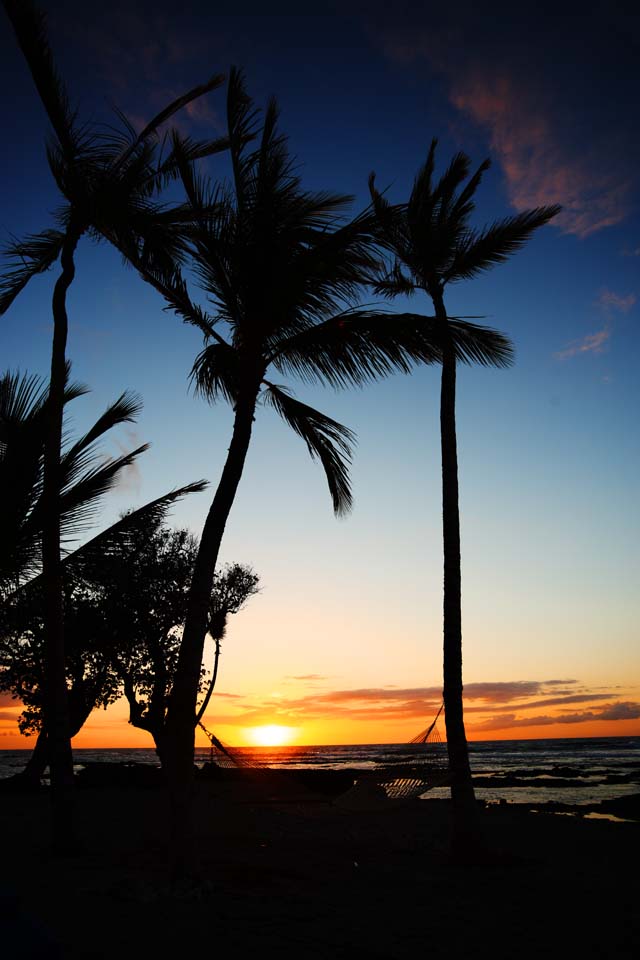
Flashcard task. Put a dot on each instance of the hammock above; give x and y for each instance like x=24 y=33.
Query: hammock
x=404 y=779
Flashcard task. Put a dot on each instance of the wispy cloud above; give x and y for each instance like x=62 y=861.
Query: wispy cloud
x=609 y=301
x=627 y=710
x=130 y=477
x=503 y=704
x=527 y=130
x=591 y=343
x=310 y=677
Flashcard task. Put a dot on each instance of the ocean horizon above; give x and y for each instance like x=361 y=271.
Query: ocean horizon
x=578 y=770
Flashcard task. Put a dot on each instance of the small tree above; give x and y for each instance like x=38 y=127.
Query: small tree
x=86 y=476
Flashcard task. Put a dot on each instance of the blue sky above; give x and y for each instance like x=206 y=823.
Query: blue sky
x=548 y=449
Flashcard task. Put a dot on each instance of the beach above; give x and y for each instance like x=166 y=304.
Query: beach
x=284 y=871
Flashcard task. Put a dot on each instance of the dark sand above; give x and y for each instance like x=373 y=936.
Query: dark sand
x=285 y=873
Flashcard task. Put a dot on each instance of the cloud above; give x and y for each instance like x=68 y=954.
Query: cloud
x=531 y=127
x=413 y=703
x=614 y=711
x=550 y=702
x=308 y=676
x=540 y=170
x=609 y=301
x=122 y=43
x=129 y=477
x=591 y=343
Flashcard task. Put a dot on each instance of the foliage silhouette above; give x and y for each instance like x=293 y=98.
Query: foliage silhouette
x=284 y=270
x=123 y=618
x=87 y=476
x=108 y=181
x=433 y=244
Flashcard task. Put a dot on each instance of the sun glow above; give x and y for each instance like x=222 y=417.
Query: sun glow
x=271 y=735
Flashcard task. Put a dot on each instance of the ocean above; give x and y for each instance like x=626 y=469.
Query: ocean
x=572 y=771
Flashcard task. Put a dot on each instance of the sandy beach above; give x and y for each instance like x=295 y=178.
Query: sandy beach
x=285 y=872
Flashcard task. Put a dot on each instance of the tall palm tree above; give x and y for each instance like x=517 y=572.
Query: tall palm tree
x=108 y=183
x=284 y=270
x=433 y=245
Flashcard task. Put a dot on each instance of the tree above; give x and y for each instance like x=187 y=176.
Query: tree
x=284 y=269
x=91 y=678
x=434 y=245
x=86 y=477
x=108 y=182
x=123 y=619
x=146 y=593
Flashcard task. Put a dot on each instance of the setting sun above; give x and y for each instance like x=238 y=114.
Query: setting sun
x=271 y=735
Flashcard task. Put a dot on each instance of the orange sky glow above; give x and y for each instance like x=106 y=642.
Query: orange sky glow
x=498 y=711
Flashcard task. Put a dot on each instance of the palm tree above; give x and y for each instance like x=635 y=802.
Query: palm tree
x=108 y=183
x=284 y=270
x=433 y=245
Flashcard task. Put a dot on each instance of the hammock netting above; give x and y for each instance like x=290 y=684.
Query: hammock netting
x=425 y=765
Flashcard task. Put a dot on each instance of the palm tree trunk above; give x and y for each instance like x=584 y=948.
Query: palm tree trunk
x=179 y=740
x=465 y=838
x=56 y=712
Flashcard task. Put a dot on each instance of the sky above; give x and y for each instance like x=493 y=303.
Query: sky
x=343 y=644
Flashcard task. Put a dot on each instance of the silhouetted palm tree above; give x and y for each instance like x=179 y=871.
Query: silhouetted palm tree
x=108 y=182
x=433 y=245
x=284 y=270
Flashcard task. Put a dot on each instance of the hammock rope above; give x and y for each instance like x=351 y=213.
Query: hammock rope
x=405 y=779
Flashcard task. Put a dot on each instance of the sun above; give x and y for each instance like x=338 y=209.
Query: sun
x=271 y=735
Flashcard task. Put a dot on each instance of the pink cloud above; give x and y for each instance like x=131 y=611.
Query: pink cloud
x=613 y=301
x=539 y=169
x=527 y=133
x=592 y=343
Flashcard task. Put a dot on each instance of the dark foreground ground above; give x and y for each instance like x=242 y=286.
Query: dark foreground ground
x=286 y=873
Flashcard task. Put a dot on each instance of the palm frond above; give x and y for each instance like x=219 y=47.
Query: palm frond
x=29 y=24
x=393 y=283
x=86 y=561
x=496 y=243
x=85 y=483
x=474 y=343
x=358 y=347
x=151 y=129
x=35 y=254
x=123 y=410
x=242 y=128
x=420 y=203
x=325 y=438
x=215 y=372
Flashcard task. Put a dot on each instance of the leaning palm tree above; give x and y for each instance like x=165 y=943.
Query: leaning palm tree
x=108 y=182
x=433 y=245
x=284 y=270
